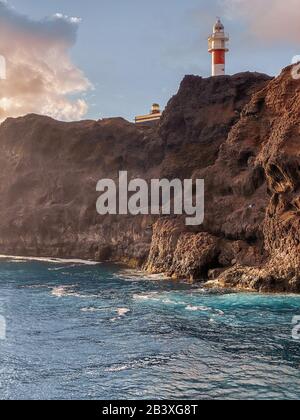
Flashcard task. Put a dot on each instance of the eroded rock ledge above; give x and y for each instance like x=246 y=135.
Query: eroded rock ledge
x=240 y=133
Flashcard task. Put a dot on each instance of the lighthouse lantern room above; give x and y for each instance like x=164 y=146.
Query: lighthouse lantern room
x=217 y=46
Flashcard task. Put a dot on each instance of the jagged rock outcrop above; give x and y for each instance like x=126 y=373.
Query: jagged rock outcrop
x=240 y=133
x=252 y=193
x=179 y=253
x=275 y=111
x=235 y=186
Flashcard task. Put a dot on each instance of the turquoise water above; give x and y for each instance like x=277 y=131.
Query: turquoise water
x=101 y=332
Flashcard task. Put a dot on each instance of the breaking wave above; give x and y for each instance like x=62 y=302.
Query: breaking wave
x=61 y=291
x=121 y=312
x=49 y=260
x=137 y=275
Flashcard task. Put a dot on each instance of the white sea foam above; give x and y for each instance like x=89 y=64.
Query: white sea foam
x=92 y=309
x=137 y=275
x=168 y=299
x=197 y=308
x=61 y=291
x=65 y=267
x=160 y=276
x=36 y=286
x=147 y=296
x=219 y=312
x=68 y=291
x=203 y=309
x=118 y=368
x=156 y=297
x=121 y=313
x=200 y=290
x=49 y=260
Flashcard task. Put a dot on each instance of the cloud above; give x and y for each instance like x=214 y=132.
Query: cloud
x=40 y=76
x=269 y=20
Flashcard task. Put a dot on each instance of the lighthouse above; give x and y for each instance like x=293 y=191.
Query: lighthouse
x=217 y=46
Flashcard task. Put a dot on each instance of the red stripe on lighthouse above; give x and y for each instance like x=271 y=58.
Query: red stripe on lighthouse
x=219 y=57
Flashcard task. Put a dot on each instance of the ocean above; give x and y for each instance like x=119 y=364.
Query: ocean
x=77 y=330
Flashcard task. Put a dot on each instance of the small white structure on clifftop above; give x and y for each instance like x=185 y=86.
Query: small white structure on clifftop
x=153 y=117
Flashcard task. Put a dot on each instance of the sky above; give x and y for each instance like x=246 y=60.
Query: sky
x=75 y=59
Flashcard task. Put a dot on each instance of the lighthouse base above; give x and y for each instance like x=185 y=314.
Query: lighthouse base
x=218 y=70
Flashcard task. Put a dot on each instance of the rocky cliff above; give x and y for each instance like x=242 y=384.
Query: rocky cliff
x=239 y=133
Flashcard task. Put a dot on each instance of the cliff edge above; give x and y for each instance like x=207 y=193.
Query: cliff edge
x=239 y=133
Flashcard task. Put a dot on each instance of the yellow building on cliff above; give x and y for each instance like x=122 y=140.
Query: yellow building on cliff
x=153 y=117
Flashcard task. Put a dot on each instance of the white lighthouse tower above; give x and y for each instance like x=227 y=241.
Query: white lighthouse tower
x=217 y=46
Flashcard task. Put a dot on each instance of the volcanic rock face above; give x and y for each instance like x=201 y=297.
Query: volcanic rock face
x=272 y=119
x=252 y=196
x=48 y=177
x=240 y=133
